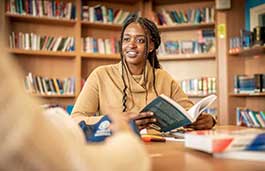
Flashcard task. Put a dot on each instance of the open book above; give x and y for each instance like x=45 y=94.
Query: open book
x=171 y=115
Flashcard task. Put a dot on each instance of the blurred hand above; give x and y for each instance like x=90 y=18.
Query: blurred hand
x=120 y=123
x=143 y=119
x=204 y=121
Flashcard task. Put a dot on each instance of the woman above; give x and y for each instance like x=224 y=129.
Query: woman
x=129 y=85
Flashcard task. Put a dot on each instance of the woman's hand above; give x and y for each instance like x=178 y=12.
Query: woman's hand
x=143 y=119
x=204 y=121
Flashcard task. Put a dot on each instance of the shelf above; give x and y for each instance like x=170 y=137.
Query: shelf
x=250 y=51
x=187 y=57
x=186 y=26
x=106 y=26
x=101 y=56
x=41 y=20
x=197 y=95
x=41 y=53
x=54 y=96
x=247 y=94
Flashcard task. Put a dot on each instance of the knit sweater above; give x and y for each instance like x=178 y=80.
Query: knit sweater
x=103 y=91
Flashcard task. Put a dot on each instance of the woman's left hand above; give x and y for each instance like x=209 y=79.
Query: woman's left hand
x=204 y=121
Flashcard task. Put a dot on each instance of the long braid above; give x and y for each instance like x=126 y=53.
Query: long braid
x=124 y=98
x=149 y=27
x=141 y=21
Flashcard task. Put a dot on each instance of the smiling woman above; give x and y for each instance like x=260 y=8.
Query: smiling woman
x=133 y=82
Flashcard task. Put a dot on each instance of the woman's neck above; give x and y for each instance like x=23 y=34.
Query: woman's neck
x=135 y=69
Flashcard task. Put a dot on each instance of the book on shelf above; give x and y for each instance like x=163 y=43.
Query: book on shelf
x=49 y=86
x=171 y=115
x=249 y=83
x=193 y=16
x=219 y=141
x=99 y=45
x=205 y=43
x=53 y=9
x=250 y=118
x=32 y=41
x=199 y=86
x=102 y=14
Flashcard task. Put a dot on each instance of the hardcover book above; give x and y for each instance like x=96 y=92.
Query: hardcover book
x=171 y=115
x=219 y=141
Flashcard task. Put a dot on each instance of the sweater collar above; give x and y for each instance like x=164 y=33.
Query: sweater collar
x=140 y=85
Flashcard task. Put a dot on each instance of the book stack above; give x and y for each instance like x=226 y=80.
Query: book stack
x=250 y=118
x=193 y=16
x=227 y=143
x=199 y=86
x=49 y=86
x=249 y=83
x=103 y=46
x=41 y=8
x=32 y=41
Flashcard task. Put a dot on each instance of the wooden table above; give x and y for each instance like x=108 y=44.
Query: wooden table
x=171 y=156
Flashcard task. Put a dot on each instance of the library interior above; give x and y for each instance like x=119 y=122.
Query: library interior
x=101 y=84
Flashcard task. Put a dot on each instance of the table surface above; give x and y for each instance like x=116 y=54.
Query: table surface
x=167 y=156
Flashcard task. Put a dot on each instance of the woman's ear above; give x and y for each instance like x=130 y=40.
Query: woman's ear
x=151 y=46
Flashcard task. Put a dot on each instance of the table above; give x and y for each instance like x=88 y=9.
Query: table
x=169 y=156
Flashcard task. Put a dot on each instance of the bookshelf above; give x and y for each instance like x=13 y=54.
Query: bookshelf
x=245 y=61
x=191 y=65
x=80 y=63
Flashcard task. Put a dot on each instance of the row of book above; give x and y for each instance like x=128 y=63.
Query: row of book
x=103 y=14
x=205 y=43
x=32 y=41
x=247 y=39
x=48 y=8
x=36 y=84
x=199 y=86
x=250 y=118
x=103 y=46
x=249 y=83
x=194 y=16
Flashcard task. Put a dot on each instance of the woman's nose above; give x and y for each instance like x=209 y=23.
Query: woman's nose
x=132 y=43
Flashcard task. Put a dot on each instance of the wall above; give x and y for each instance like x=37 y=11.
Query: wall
x=251 y=4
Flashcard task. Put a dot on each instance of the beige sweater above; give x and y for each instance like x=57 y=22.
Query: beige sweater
x=32 y=140
x=103 y=91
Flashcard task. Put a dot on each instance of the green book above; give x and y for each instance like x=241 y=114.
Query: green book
x=171 y=115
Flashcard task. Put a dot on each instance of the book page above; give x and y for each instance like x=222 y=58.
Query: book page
x=200 y=106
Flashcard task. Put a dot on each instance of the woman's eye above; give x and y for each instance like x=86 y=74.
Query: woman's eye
x=140 y=40
x=126 y=39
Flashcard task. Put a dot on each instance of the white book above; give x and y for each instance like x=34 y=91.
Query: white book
x=56 y=45
x=242 y=155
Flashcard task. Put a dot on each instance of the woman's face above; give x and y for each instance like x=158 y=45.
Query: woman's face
x=133 y=44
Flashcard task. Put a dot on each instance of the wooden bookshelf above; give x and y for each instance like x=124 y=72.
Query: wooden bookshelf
x=187 y=57
x=38 y=19
x=247 y=94
x=186 y=26
x=41 y=53
x=107 y=26
x=53 y=96
x=80 y=64
x=256 y=50
x=245 y=61
x=101 y=56
x=186 y=66
x=197 y=95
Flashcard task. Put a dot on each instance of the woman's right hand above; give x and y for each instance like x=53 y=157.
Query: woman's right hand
x=143 y=119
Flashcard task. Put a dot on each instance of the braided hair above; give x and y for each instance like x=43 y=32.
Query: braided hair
x=151 y=29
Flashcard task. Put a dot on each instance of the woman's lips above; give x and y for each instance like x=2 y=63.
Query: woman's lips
x=131 y=54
